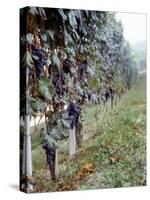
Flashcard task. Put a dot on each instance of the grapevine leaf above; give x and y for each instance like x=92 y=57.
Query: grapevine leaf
x=44 y=37
x=42 y=107
x=72 y=19
x=35 y=57
x=78 y=14
x=94 y=98
x=29 y=38
x=34 y=104
x=91 y=71
x=33 y=11
x=57 y=134
x=61 y=12
x=94 y=83
x=55 y=60
x=79 y=89
x=67 y=37
x=76 y=34
x=51 y=34
x=51 y=142
x=42 y=12
x=46 y=89
x=27 y=60
x=66 y=122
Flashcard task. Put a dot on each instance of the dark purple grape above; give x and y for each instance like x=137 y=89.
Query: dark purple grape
x=81 y=72
x=74 y=110
x=50 y=154
x=107 y=95
x=41 y=60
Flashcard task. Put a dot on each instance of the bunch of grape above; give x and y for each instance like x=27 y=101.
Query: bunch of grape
x=74 y=110
x=82 y=69
x=81 y=72
x=58 y=83
x=107 y=95
x=66 y=66
x=112 y=92
x=40 y=53
x=50 y=154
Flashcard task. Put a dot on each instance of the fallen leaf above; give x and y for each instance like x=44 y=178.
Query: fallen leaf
x=114 y=159
x=87 y=168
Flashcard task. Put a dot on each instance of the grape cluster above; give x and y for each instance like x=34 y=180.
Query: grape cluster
x=74 y=110
x=82 y=66
x=112 y=92
x=66 y=66
x=58 y=83
x=40 y=53
x=81 y=71
x=107 y=95
x=50 y=154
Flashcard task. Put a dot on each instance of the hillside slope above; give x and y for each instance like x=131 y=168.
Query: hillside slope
x=113 y=153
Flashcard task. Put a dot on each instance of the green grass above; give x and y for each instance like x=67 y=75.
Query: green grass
x=115 y=144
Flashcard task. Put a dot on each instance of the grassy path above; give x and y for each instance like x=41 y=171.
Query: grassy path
x=114 y=151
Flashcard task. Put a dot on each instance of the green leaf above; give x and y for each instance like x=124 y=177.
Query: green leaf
x=78 y=15
x=42 y=12
x=67 y=122
x=42 y=106
x=44 y=37
x=51 y=34
x=67 y=37
x=46 y=88
x=94 y=98
x=91 y=71
x=74 y=71
x=51 y=142
x=61 y=12
x=57 y=134
x=55 y=60
x=76 y=34
x=79 y=89
x=94 y=83
x=33 y=11
x=72 y=19
x=27 y=60
x=29 y=38
x=35 y=57
x=34 y=104
x=69 y=51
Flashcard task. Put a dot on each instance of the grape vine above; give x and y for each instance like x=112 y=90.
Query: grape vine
x=73 y=56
